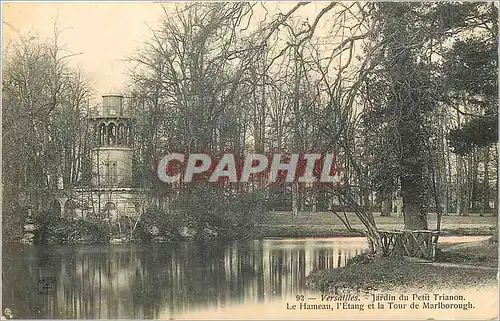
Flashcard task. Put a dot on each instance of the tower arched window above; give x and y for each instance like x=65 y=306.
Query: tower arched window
x=111 y=134
x=122 y=134
x=102 y=134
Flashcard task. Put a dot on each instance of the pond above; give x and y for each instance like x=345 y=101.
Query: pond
x=162 y=280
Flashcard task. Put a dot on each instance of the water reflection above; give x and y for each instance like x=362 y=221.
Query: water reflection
x=135 y=281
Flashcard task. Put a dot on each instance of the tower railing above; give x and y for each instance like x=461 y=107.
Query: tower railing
x=125 y=109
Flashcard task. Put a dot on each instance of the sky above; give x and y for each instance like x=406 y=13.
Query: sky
x=105 y=33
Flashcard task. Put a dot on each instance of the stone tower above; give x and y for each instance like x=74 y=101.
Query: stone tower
x=112 y=152
x=111 y=176
x=107 y=192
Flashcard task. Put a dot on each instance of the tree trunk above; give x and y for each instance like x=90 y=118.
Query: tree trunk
x=295 y=207
x=441 y=170
x=460 y=179
x=473 y=180
x=486 y=184
x=370 y=211
x=495 y=199
x=399 y=207
x=459 y=186
x=415 y=217
x=386 y=208
x=494 y=238
x=367 y=203
x=376 y=246
x=445 y=201
x=448 y=179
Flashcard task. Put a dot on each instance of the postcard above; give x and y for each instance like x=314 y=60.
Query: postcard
x=250 y=160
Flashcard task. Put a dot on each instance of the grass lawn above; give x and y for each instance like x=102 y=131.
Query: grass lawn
x=279 y=224
x=483 y=253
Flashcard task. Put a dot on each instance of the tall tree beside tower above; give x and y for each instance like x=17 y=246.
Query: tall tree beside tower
x=396 y=120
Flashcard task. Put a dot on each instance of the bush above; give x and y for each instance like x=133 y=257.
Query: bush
x=56 y=230
x=12 y=223
x=361 y=259
x=217 y=212
x=169 y=225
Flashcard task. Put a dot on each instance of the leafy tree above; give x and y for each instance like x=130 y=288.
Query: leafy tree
x=400 y=101
x=470 y=69
x=416 y=75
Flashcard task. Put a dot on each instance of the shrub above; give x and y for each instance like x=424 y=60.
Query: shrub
x=169 y=224
x=222 y=213
x=56 y=230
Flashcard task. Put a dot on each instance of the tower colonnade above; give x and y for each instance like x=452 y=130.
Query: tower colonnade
x=112 y=132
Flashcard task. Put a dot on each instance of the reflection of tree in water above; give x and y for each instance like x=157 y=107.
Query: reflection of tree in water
x=19 y=281
x=153 y=281
x=151 y=278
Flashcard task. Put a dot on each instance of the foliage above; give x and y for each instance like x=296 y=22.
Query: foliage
x=169 y=223
x=471 y=73
x=12 y=224
x=418 y=76
x=476 y=133
x=400 y=99
x=228 y=215
x=57 y=230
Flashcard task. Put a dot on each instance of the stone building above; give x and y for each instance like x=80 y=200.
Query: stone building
x=110 y=193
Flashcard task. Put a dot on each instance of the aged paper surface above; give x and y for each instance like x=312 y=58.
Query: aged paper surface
x=250 y=160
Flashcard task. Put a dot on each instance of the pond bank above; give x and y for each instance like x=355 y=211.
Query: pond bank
x=456 y=269
x=335 y=231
